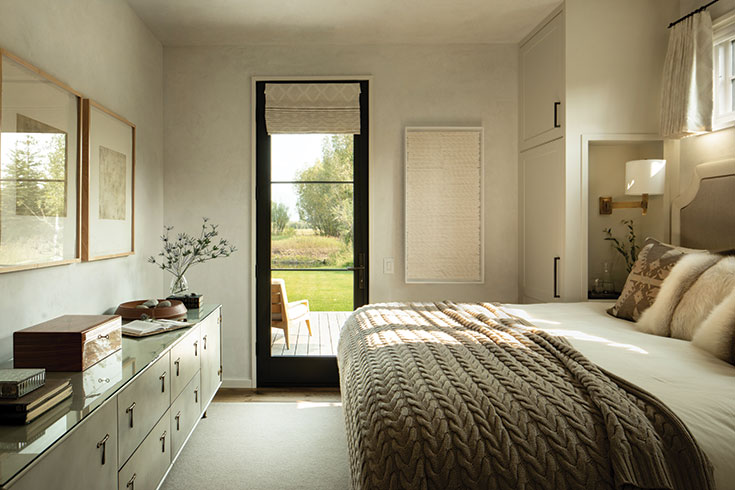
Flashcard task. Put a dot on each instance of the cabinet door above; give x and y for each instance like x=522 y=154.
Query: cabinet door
x=211 y=362
x=185 y=362
x=149 y=463
x=185 y=412
x=140 y=405
x=542 y=85
x=87 y=458
x=542 y=212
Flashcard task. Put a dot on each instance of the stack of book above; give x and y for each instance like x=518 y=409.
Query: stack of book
x=26 y=394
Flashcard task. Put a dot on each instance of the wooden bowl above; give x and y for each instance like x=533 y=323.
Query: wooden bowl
x=129 y=310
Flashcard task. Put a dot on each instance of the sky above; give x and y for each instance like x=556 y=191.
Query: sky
x=290 y=153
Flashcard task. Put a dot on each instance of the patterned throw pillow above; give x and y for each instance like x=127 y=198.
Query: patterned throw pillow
x=654 y=263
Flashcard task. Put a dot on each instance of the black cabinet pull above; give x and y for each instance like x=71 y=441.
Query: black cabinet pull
x=178 y=418
x=205 y=342
x=130 y=411
x=163 y=441
x=196 y=395
x=163 y=382
x=196 y=344
x=131 y=482
x=177 y=362
x=556 y=114
x=556 y=276
x=103 y=444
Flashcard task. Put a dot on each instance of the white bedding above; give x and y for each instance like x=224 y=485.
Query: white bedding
x=698 y=387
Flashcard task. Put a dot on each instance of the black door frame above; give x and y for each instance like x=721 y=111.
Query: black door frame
x=302 y=371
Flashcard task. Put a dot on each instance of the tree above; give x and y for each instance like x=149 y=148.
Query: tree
x=279 y=217
x=328 y=207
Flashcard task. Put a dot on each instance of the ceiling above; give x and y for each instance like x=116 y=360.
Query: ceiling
x=237 y=22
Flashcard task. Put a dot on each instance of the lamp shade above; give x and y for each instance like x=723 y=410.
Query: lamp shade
x=645 y=177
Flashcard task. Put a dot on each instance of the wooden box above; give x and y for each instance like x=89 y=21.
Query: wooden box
x=67 y=343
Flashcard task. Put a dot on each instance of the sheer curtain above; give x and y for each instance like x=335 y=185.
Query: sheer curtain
x=687 y=98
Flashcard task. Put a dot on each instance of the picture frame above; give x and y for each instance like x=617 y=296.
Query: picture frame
x=444 y=205
x=108 y=183
x=40 y=166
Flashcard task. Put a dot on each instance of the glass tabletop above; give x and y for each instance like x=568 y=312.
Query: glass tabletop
x=21 y=444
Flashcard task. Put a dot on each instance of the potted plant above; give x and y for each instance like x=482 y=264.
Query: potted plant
x=184 y=251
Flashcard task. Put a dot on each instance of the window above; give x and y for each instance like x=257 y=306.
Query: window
x=724 y=66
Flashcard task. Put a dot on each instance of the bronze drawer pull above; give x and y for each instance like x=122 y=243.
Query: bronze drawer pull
x=103 y=444
x=196 y=395
x=131 y=482
x=130 y=411
x=196 y=343
x=205 y=342
x=177 y=362
x=178 y=416
x=163 y=382
x=100 y=337
x=163 y=441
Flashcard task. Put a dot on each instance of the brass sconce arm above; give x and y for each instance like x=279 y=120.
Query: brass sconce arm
x=607 y=205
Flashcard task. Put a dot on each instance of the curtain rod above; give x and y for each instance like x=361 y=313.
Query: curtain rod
x=692 y=13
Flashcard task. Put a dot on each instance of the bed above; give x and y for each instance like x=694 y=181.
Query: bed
x=453 y=395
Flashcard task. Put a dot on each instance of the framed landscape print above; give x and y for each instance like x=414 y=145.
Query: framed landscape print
x=39 y=168
x=108 y=181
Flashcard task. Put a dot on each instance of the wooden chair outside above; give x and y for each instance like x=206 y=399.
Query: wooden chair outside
x=284 y=314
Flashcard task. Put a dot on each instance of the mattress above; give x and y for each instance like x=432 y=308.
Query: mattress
x=698 y=387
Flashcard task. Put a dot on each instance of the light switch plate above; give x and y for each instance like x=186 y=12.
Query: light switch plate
x=387 y=265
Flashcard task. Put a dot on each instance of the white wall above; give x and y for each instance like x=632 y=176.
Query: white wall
x=102 y=49
x=207 y=114
x=614 y=60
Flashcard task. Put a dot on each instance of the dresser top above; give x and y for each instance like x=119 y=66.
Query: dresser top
x=22 y=444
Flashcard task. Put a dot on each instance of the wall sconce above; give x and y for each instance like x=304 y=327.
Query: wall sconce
x=642 y=178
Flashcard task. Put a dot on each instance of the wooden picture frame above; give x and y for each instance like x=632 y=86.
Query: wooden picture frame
x=108 y=184
x=40 y=168
x=444 y=205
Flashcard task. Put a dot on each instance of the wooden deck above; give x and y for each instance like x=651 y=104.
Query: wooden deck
x=325 y=327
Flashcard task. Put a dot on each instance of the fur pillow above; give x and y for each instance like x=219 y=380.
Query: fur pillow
x=697 y=301
x=717 y=333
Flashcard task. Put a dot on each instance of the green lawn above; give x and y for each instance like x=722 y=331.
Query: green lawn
x=326 y=291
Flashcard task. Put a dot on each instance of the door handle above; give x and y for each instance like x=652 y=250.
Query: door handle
x=360 y=269
x=556 y=114
x=556 y=276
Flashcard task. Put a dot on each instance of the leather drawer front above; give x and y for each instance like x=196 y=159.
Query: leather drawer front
x=185 y=412
x=184 y=361
x=76 y=462
x=149 y=462
x=141 y=404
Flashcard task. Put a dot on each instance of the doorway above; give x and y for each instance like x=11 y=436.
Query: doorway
x=311 y=240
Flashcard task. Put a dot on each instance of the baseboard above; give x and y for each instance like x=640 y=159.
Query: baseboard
x=237 y=383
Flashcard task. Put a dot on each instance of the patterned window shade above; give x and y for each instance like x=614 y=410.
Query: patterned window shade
x=320 y=108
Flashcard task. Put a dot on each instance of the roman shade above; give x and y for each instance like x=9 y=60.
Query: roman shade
x=316 y=108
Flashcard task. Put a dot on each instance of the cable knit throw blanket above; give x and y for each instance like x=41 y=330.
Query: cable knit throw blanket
x=450 y=395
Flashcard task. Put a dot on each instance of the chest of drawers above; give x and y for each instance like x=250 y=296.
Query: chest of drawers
x=127 y=435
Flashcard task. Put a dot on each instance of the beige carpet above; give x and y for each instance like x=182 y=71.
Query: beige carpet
x=297 y=445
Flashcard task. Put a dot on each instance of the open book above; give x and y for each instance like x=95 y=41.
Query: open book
x=143 y=328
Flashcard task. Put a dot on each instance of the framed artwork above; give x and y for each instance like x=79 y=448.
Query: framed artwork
x=444 y=205
x=108 y=184
x=39 y=168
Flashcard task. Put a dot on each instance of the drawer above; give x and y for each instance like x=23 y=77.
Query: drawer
x=210 y=363
x=185 y=412
x=184 y=361
x=149 y=462
x=140 y=405
x=85 y=459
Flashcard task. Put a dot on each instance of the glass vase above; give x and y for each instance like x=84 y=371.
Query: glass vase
x=179 y=285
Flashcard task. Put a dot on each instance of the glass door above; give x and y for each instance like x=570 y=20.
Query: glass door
x=311 y=248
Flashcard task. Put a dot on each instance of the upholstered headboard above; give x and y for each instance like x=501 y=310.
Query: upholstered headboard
x=703 y=216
